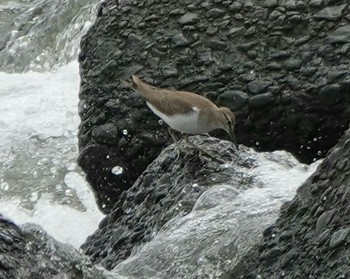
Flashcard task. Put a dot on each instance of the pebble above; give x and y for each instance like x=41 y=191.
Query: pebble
x=261 y=100
x=189 y=18
x=233 y=99
x=258 y=86
x=331 y=13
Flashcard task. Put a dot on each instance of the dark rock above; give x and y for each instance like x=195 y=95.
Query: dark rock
x=179 y=40
x=261 y=100
x=293 y=64
x=275 y=14
x=134 y=41
x=29 y=252
x=121 y=43
x=211 y=30
x=189 y=18
x=106 y=134
x=236 y=30
x=214 y=13
x=250 y=31
x=331 y=13
x=340 y=35
x=302 y=40
x=258 y=86
x=339 y=237
x=288 y=257
x=308 y=71
x=274 y=66
x=331 y=94
x=288 y=4
x=294 y=83
x=323 y=221
x=313 y=239
x=316 y=3
x=270 y=3
x=234 y=99
x=137 y=209
x=235 y=7
x=217 y=44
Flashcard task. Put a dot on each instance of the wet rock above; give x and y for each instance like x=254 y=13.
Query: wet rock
x=288 y=4
x=339 y=237
x=154 y=188
x=323 y=221
x=250 y=31
x=316 y=3
x=214 y=13
x=134 y=41
x=258 y=86
x=234 y=99
x=261 y=100
x=340 y=35
x=106 y=134
x=29 y=252
x=235 y=6
x=236 y=30
x=217 y=44
x=293 y=64
x=331 y=13
x=201 y=47
x=179 y=40
x=189 y=18
x=308 y=71
x=331 y=94
x=270 y=3
x=317 y=228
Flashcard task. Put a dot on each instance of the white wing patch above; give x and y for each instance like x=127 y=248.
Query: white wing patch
x=195 y=109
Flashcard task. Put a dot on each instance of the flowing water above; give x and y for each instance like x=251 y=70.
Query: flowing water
x=40 y=181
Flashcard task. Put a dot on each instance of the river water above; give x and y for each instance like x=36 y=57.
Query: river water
x=40 y=181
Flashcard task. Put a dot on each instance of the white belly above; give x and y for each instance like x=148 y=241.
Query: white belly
x=187 y=124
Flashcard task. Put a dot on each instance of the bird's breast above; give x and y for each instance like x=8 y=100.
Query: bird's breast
x=187 y=123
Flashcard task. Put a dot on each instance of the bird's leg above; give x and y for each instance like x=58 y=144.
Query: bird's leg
x=200 y=150
x=178 y=149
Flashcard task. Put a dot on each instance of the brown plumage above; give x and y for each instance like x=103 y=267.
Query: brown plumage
x=184 y=111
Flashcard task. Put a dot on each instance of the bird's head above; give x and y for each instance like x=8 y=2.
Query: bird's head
x=227 y=120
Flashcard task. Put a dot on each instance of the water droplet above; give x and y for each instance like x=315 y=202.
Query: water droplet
x=34 y=196
x=160 y=122
x=4 y=186
x=68 y=193
x=125 y=132
x=319 y=153
x=117 y=170
x=71 y=166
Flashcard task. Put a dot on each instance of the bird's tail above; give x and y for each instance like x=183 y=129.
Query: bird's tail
x=145 y=90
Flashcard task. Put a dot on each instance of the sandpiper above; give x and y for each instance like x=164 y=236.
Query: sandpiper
x=185 y=112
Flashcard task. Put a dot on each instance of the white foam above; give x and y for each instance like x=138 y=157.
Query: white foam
x=40 y=180
x=63 y=222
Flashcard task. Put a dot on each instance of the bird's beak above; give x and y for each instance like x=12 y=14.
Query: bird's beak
x=232 y=135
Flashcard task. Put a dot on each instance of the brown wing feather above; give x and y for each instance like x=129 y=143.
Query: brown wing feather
x=169 y=101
